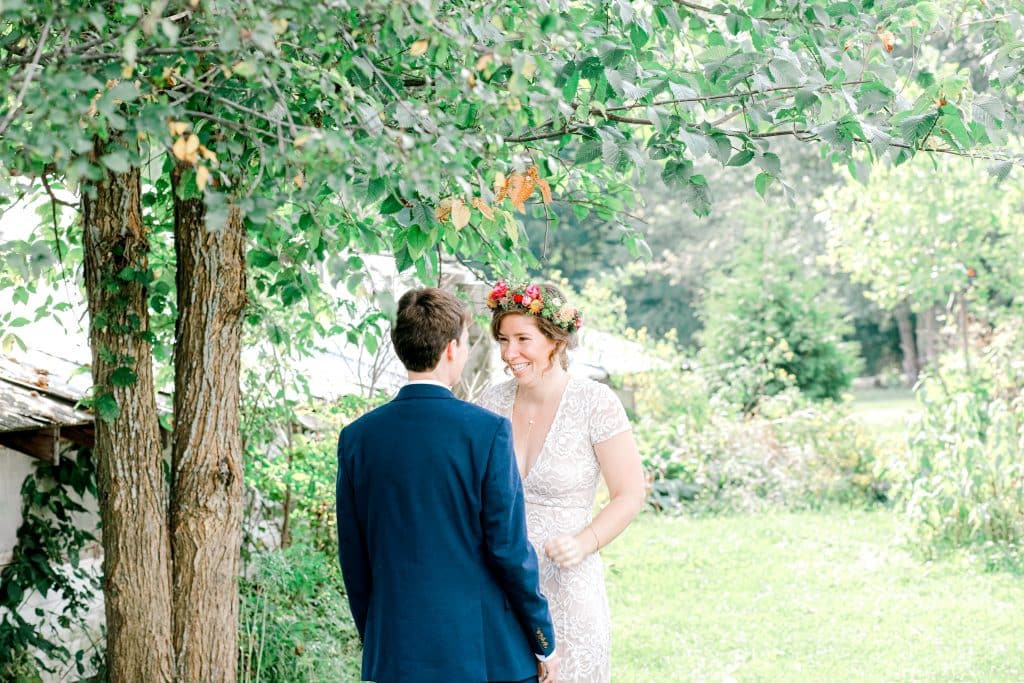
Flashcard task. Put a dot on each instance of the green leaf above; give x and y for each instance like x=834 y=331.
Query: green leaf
x=769 y=163
x=107 y=408
x=677 y=173
x=572 y=84
x=260 y=258
x=697 y=195
x=638 y=36
x=955 y=126
x=116 y=161
x=761 y=183
x=392 y=204
x=914 y=128
x=1000 y=170
x=123 y=377
x=588 y=151
x=741 y=158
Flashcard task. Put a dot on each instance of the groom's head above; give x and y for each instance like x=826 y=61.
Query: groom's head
x=431 y=327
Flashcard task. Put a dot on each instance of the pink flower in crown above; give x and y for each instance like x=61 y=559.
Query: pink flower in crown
x=500 y=289
x=533 y=291
x=527 y=299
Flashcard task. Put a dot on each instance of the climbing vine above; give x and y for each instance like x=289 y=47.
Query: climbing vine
x=47 y=560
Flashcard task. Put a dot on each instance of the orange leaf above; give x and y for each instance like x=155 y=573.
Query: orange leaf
x=501 y=186
x=484 y=209
x=545 y=190
x=523 y=192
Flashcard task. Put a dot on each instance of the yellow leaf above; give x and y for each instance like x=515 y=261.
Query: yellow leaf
x=484 y=61
x=179 y=150
x=419 y=48
x=208 y=154
x=202 y=177
x=191 y=144
x=280 y=26
x=178 y=127
x=128 y=70
x=529 y=68
x=460 y=214
x=301 y=140
x=484 y=209
x=444 y=209
x=299 y=179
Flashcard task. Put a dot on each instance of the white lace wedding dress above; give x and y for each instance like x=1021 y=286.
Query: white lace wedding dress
x=560 y=489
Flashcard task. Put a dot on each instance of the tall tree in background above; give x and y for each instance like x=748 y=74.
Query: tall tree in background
x=301 y=133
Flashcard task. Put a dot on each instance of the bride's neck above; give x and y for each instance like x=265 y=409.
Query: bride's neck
x=548 y=388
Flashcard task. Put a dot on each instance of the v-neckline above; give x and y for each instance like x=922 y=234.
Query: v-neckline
x=544 y=444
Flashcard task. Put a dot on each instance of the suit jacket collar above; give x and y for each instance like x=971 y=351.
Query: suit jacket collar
x=423 y=391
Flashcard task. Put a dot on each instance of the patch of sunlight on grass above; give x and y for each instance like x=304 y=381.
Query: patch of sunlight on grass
x=825 y=596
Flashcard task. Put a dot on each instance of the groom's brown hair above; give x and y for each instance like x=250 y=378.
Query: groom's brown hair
x=427 y=320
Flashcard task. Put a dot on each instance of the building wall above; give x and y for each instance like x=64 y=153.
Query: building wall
x=14 y=468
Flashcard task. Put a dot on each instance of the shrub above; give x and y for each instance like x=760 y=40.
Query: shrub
x=771 y=324
x=969 y=448
x=295 y=623
x=789 y=454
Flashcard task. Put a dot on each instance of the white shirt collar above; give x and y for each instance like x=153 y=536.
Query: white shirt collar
x=428 y=381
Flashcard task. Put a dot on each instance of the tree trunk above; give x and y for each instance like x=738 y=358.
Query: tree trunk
x=927 y=334
x=908 y=344
x=132 y=485
x=206 y=501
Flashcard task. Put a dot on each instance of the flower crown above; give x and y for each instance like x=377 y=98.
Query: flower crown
x=529 y=299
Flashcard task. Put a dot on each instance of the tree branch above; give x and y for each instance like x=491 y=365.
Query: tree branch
x=29 y=73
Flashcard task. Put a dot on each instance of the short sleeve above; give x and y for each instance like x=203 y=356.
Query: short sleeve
x=495 y=399
x=607 y=416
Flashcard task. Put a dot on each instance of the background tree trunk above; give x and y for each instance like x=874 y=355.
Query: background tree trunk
x=132 y=485
x=908 y=343
x=927 y=334
x=206 y=507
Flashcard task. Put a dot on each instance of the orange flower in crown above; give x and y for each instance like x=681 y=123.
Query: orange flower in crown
x=530 y=300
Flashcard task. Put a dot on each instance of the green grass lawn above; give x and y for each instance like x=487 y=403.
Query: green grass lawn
x=804 y=597
x=885 y=411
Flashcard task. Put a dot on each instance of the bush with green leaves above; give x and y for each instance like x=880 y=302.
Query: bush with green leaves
x=969 y=447
x=770 y=323
x=295 y=623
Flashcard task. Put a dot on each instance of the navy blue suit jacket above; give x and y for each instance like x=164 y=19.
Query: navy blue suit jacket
x=441 y=579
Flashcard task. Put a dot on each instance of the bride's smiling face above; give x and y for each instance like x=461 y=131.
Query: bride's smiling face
x=524 y=348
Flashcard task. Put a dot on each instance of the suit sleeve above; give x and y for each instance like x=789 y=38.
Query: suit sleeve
x=352 y=551
x=509 y=551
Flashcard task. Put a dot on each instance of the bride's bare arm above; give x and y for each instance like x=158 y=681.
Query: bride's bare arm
x=624 y=475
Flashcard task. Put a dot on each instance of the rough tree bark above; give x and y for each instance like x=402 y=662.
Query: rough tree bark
x=132 y=486
x=206 y=507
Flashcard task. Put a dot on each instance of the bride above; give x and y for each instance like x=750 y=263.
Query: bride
x=567 y=433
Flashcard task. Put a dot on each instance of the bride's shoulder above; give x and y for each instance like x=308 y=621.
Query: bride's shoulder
x=496 y=395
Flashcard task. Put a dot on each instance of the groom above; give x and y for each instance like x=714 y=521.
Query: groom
x=441 y=579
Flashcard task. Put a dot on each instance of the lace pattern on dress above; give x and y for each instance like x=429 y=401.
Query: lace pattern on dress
x=560 y=490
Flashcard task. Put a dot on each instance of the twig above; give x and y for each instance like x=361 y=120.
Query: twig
x=29 y=72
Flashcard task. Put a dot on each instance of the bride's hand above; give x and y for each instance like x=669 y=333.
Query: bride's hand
x=565 y=550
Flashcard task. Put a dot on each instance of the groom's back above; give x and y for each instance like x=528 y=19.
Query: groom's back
x=435 y=610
